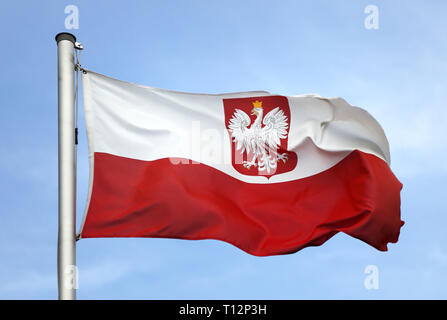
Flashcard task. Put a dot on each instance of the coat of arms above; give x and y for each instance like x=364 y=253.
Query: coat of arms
x=259 y=128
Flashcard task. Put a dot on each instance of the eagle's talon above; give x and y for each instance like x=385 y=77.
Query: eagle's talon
x=284 y=157
x=248 y=165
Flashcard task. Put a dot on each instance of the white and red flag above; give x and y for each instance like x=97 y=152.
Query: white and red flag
x=267 y=173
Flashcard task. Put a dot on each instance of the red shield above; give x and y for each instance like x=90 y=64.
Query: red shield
x=253 y=124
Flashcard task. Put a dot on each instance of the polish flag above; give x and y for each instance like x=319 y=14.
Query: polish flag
x=269 y=174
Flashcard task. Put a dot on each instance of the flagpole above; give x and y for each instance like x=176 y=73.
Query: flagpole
x=66 y=250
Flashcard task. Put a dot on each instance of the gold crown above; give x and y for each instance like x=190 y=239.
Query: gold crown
x=257 y=104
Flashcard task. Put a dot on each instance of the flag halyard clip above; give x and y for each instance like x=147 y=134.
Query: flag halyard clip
x=78 y=46
x=78 y=67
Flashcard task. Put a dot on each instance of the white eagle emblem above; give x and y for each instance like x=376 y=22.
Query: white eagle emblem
x=259 y=142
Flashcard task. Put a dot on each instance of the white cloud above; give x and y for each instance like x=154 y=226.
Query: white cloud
x=98 y=275
x=29 y=284
x=438 y=255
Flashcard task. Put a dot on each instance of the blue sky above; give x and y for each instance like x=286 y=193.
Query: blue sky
x=397 y=73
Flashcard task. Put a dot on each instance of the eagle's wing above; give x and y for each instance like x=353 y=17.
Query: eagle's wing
x=275 y=128
x=238 y=127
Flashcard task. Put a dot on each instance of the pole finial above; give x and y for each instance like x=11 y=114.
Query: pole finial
x=65 y=36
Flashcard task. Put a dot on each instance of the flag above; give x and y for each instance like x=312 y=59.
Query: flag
x=267 y=173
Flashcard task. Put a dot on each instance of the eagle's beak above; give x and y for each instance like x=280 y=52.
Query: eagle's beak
x=254 y=111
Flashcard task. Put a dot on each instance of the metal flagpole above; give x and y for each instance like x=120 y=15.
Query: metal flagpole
x=66 y=251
